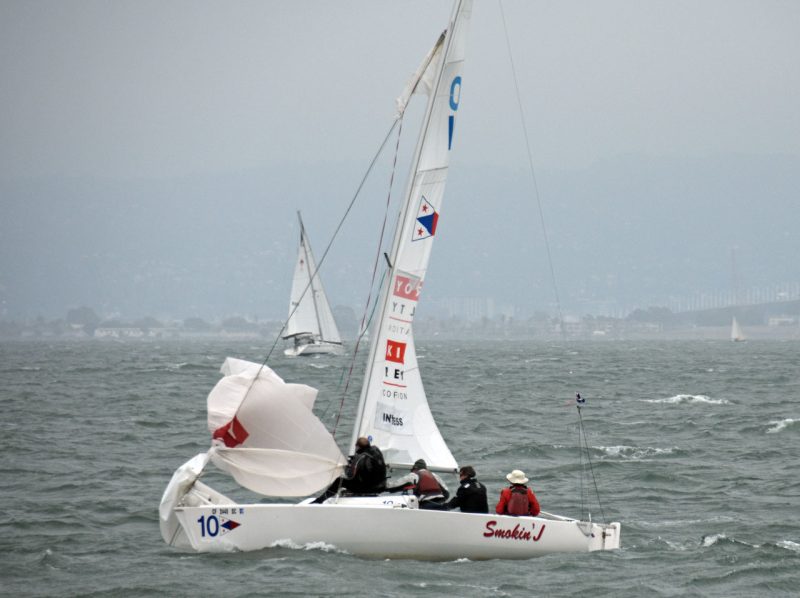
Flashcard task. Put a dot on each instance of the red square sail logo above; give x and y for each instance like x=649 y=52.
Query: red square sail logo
x=407 y=287
x=395 y=351
x=232 y=434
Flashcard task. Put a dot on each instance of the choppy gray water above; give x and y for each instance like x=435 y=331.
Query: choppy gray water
x=694 y=444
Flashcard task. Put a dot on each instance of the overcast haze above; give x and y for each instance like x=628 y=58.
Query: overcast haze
x=153 y=155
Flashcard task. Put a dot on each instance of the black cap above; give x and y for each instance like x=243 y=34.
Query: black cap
x=419 y=464
x=468 y=471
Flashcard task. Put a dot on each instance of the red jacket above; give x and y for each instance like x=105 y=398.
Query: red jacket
x=505 y=496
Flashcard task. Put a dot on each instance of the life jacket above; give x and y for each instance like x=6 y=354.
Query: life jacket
x=518 y=503
x=426 y=484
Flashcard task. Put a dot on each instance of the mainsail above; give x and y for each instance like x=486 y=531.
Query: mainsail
x=393 y=409
x=736 y=331
x=309 y=310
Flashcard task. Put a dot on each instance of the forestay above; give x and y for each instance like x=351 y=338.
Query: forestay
x=393 y=409
x=265 y=434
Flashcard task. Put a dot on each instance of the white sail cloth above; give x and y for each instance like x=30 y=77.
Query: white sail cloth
x=423 y=80
x=393 y=410
x=266 y=435
x=309 y=309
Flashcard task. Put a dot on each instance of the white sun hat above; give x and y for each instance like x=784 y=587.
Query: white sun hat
x=517 y=477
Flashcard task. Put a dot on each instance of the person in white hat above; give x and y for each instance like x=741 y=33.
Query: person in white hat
x=517 y=499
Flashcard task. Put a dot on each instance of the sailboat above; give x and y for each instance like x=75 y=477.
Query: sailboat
x=736 y=331
x=310 y=323
x=266 y=436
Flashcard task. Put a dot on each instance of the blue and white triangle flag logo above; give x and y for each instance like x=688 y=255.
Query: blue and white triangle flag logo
x=427 y=219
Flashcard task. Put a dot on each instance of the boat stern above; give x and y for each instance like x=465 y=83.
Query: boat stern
x=605 y=536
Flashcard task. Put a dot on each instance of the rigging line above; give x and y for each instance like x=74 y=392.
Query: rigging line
x=580 y=469
x=358 y=340
x=335 y=234
x=591 y=469
x=372 y=281
x=374 y=307
x=322 y=259
x=304 y=243
x=533 y=174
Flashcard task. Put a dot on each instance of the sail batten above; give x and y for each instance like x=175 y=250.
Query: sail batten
x=393 y=409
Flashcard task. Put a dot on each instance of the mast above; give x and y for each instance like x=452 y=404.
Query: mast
x=313 y=275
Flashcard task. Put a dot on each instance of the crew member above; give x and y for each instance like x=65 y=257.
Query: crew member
x=365 y=472
x=426 y=485
x=471 y=494
x=517 y=499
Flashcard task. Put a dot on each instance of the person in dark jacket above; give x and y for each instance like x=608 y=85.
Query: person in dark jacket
x=426 y=485
x=517 y=499
x=471 y=494
x=365 y=472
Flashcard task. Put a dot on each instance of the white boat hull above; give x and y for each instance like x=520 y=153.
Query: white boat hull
x=383 y=527
x=314 y=349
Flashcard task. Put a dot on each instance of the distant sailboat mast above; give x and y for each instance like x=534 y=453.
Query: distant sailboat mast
x=314 y=277
x=736 y=330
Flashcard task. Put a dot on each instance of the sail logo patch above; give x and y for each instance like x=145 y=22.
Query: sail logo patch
x=455 y=99
x=391 y=419
x=395 y=351
x=407 y=287
x=228 y=525
x=232 y=434
x=427 y=219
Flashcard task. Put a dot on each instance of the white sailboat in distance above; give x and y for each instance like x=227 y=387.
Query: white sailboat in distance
x=310 y=324
x=266 y=436
x=737 y=335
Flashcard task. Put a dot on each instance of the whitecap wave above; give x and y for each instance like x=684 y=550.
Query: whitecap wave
x=634 y=453
x=320 y=366
x=678 y=399
x=778 y=425
x=789 y=545
x=322 y=546
x=713 y=539
x=678 y=546
x=671 y=523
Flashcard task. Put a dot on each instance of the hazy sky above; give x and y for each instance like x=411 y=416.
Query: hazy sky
x=153 y=154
